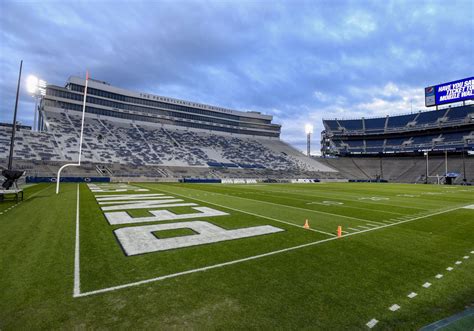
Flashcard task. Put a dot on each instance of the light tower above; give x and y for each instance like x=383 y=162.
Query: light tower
x=309 y=130
x=37 y=88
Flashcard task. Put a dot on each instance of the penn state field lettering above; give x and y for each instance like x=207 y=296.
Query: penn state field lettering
x=145 y=239
x=117 y=218
x=141 y=239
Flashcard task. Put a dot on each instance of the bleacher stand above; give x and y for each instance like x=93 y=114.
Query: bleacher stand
x=122 y=148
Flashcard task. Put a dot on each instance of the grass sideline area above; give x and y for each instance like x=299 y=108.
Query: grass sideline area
x=396 y=239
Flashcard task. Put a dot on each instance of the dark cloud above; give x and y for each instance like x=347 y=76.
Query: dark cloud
x=298 y=60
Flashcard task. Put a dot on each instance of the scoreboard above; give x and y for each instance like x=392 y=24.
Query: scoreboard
x=459 y=90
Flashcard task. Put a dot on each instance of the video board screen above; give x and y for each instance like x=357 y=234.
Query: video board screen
x=456 y=91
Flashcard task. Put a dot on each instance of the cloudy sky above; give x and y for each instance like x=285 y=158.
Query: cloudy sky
x=300 y=61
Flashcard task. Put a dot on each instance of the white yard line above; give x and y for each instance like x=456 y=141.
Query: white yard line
x=249 y=213
x=77 y=274
x=337 y=195
x=341 y=206
x=114 y=288
x=275 y=204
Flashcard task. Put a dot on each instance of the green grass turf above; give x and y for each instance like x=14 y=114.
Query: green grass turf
x=337 y=284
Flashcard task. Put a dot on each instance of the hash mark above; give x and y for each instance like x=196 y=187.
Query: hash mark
x=394 y=307
x=372 y=323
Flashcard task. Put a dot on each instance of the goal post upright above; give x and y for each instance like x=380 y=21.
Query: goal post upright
x=58 y=178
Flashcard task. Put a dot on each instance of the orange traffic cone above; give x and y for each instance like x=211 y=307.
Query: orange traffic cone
x=339 y=231
x=306 y=224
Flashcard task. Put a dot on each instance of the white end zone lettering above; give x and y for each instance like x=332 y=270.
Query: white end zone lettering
x=117 y=218
x=140 y=239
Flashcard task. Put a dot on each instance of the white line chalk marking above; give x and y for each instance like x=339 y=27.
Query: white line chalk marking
x=426 y=285
x=439 y=276
x=458 y=262
x=412 y=295
x=276 y=204
x=114 y=288
x=77 y=275
x=465 y=257
x=394 y=307
x=449 y=268
x=249 y=213
x=372 y=323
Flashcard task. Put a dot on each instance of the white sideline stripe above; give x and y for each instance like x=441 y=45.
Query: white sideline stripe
x=249 y=213
x=469 y=207
x=365 y=227
x=77 y=275
x=354 y=229
x=204 y=268
x=412 y=295
x=8 y=209
x=426 y=285
x=114 y=288
x=372 y=225
x=276 y=204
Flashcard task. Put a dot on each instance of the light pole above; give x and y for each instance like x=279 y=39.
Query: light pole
x=464 y=161
x=426 y=175
x=12 y=142
x=37 y=88
x=308 y=128
x=445 y=162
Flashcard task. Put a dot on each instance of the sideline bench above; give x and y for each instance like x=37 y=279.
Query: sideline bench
x=18 y=193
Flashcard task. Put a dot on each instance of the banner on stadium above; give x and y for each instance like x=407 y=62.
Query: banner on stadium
x=458 y=90
x=32 y=179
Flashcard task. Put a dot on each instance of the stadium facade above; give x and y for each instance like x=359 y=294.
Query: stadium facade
x=106 y=100
x=134 y=135
x=450 y=129
x=138 y=136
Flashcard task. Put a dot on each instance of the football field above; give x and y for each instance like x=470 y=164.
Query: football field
x=215 y=256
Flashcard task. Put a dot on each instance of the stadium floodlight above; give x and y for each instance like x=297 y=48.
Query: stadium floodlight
x=37 y=88
x=58 y=178
x=32 y=84
x=308 y=128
